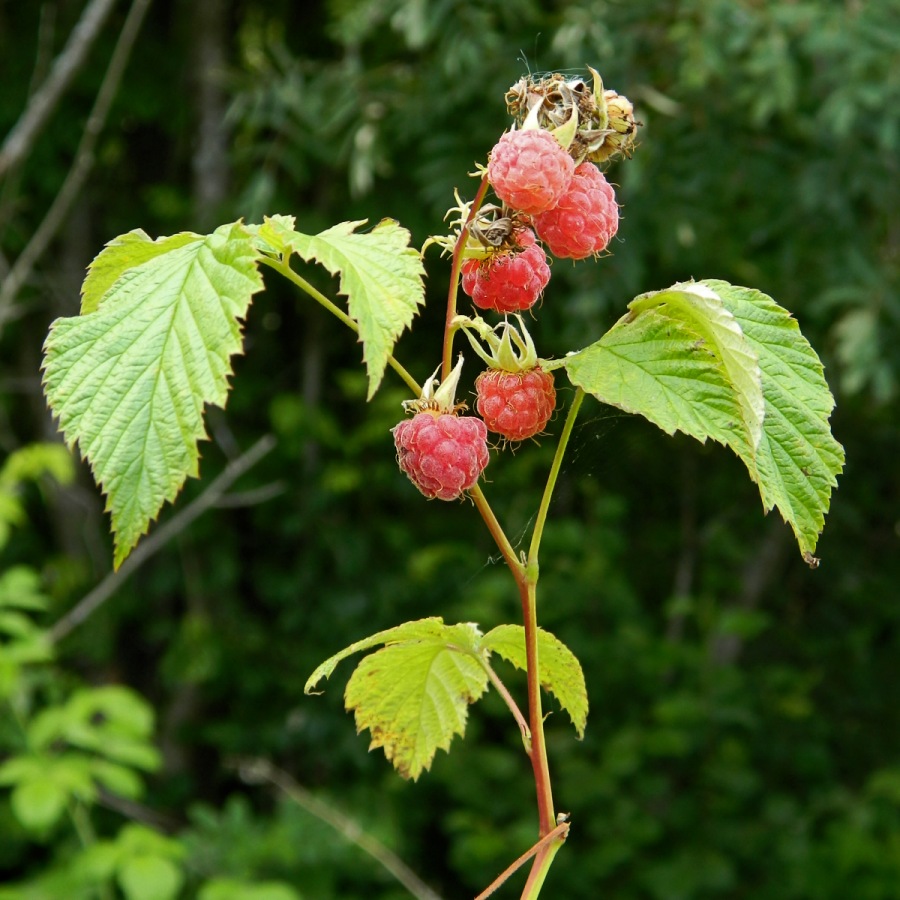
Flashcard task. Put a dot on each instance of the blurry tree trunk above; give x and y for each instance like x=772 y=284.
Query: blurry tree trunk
x=208 y=63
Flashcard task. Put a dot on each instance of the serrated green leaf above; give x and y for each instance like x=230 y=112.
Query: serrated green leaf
x=413 y=694
x=413 y=697
x=798 y=459
x=38 y=804
x=560 y=671
x=380 y=274
x=275 y=237
x=705 y=313
x=678 y=359
x=148 y=877
x=420 y=629
x=659 y=366
x=129 y=381
x=127 y=251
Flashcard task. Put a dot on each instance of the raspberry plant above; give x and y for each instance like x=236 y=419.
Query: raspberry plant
x=161 y=319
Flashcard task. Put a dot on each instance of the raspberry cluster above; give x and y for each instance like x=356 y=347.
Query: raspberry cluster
x=553 y=195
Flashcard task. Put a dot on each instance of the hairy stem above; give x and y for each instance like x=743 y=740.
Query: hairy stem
x=449 y=330
x=284 y=268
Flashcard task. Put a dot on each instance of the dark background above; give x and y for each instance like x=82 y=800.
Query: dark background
x=744 y=735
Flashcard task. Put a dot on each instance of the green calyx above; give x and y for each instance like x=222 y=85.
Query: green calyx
x=502 y=346
x=438 y=396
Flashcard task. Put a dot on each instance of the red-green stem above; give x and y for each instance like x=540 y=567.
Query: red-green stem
x=447 y=359
x=546 y=817
x=555 y=838
x=524 y=572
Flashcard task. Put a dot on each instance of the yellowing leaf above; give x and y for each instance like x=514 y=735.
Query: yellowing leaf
x=413 y=694
x=414 y=698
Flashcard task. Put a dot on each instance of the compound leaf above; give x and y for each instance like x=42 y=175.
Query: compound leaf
x=128 y=381
x=414 y=698
x=380 y=274
x=561 y=673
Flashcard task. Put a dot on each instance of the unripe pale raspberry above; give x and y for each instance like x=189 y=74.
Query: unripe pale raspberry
x=585 y=219
x=515 y=405
x=442 y=454
x=510 y=281
x=529 y=170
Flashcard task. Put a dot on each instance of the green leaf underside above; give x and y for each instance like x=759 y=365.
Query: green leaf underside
x=658 y=367
x=414 y=698
x=380 y=274
x=682 y=364
x=129 y=380
x=413 y=694
x=561 y=673
x=798 y=458
x=705 y=313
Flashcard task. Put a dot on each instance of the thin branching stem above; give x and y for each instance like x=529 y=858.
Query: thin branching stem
x=511 y=704
x=449 y=330
x=557 y=836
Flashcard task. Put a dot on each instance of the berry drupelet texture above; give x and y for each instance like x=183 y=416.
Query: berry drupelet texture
x=529 y=170
x=515 y=405
x=585 y=219
x=442 y=454
x=510 y=281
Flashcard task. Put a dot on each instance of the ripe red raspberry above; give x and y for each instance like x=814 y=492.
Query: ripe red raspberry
x=442 y=454
x=585 y=219
x=515 y=405
x=511 y=281
x=529 y=170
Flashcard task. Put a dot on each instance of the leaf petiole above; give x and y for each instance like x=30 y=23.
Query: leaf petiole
x=285 y=269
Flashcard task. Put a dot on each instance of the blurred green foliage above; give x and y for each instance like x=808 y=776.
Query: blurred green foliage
x=744 y=735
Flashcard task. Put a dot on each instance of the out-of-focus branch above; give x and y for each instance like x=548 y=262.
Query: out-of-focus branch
x=114 y=580
x=81 y=167
x=42 y=103
x=255 y=771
